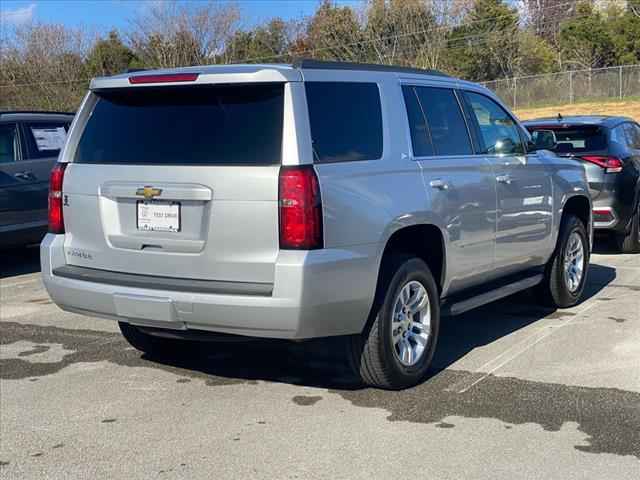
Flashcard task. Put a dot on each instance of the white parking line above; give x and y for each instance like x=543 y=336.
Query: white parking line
x=528 y=342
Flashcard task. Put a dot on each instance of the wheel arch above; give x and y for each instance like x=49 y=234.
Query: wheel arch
x=423 y=240
x=580 y=206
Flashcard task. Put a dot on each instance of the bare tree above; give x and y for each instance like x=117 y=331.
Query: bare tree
x=408 y=32
x=170 y=34
x=42 y=66
x=545 y=16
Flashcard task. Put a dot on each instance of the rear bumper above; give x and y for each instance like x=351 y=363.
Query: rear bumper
x=605 y=218
x=315 y=294
x=611 y=214
x=615 y=198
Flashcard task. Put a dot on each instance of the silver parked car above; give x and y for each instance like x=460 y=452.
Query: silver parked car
x=307 y=200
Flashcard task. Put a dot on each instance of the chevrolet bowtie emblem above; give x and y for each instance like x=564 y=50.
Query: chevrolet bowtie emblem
x=149 y=192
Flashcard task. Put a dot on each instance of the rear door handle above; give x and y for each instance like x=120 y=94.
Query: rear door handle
x=439 y=184
x=506 y=179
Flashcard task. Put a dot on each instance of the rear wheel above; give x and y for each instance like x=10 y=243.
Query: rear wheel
x=630 y=243
x=148 y=343
x=566 y=272
x=396 y=349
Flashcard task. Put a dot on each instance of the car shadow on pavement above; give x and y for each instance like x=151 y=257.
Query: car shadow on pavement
x=19 y=261
x=604 y=244
x=323 y=362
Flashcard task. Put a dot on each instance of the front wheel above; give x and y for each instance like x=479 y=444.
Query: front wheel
x=396 y=349
x=566 y=272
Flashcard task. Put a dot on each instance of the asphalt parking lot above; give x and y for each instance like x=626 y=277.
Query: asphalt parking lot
x=517 y=392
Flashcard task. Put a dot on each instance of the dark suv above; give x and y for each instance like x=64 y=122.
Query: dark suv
x=610 y=150
x=29 y=146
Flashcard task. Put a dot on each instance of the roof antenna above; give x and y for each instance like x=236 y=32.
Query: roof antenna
x=560 y=117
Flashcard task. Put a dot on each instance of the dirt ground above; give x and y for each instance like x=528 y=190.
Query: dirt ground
x=627 y=108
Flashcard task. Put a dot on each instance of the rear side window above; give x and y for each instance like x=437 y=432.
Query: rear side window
x=420 y=137
x=45 y=139
x=448 y=129
x=576 y=138
x=8 y=143
x=202 y=125
x=346 y=121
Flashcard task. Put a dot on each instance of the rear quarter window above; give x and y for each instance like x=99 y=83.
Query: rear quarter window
x=195 y=125
x=346 y=121
x=45 y=139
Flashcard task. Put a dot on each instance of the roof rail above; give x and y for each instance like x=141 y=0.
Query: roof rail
x=39 y=112
x=328 y=65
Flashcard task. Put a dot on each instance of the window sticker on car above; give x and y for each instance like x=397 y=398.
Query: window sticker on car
x=49 y=138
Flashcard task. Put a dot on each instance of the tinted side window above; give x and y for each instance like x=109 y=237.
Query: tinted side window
x=499 y=132
x=420 y=137
x=633 y=135
x=448 y=129
x=8 y=143
x=346 y=121
x=45 y=139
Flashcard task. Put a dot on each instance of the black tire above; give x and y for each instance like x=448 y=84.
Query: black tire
x=151 y=344
x=372 y=353
x=630 y=242
x=555 y=291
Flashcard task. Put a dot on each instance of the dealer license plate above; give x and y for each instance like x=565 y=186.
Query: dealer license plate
x=158 y=216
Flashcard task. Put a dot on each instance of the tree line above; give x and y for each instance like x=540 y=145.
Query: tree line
x=48 y=66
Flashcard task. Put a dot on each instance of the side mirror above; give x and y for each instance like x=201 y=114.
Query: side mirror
x=543 y=140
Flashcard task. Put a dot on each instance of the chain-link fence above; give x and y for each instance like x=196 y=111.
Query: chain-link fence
x=613 y=83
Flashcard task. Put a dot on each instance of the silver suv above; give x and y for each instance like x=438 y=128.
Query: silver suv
x=307 y=200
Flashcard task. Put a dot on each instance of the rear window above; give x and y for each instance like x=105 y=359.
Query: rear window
x=346 y=121
x=203 y=125
x=576 y=139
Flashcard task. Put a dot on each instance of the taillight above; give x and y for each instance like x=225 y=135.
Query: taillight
x=610 y=164
x=56 y=220
x=164 y=78
x=603 y=215
x=300 y=208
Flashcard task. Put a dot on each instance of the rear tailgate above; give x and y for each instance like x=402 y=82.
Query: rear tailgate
x=178 y=182
x=578 y=141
